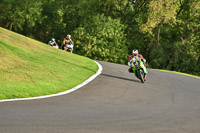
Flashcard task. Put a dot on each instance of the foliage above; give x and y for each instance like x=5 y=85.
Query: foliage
x=160 y=12
x=166 y=32
x=102 y=38
x=16 y=15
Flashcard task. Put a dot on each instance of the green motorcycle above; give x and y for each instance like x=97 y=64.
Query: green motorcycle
x=138 y=68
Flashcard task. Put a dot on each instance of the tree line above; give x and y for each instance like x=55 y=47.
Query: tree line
x=166 y=32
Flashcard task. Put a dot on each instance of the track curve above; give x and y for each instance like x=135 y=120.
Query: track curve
x=114 y=102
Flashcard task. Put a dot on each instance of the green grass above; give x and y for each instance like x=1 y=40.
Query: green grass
x=29 y=68
x=177 y=73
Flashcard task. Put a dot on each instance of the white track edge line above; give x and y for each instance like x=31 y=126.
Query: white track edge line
x=61 y=93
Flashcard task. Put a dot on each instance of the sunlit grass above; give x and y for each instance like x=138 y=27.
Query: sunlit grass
x=30 y=68
x=177 y=73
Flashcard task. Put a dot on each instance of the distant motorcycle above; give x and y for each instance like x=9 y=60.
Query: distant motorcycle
x=53 y=44
x=138 y=68
x=69 y=47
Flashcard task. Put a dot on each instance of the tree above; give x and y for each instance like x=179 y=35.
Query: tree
x=102 y=38
x=166 y=32
x=16 y=15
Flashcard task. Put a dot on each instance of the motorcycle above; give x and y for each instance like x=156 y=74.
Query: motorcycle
x=69 y=47
x=53 y=44
x=138 y=68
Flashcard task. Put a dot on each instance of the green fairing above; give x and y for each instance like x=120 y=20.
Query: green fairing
x=141 y=66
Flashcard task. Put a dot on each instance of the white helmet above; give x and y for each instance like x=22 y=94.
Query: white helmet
x=135 y=52
x=53 y=39
x=69 y=36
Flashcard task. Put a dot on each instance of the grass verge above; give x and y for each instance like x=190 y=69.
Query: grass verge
x=177 y=73
x=29 y=68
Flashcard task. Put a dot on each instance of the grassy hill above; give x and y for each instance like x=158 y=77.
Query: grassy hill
x=30 y=68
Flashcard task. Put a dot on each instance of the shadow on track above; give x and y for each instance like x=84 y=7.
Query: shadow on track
x=112 y=76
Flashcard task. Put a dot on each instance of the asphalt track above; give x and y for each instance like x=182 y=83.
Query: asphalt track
x=114 y=102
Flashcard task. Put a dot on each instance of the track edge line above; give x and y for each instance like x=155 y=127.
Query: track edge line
x=61 y=93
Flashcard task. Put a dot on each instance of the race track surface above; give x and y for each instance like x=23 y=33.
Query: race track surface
x=114 y=102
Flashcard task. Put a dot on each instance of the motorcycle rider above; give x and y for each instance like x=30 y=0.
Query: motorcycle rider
x=68 y=41
x=137 y=55
x=52 y=42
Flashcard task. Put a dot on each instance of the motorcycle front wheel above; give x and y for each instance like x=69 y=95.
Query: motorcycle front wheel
x=141 y=76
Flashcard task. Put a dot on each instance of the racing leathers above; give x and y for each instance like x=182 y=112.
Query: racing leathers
x=129 y=62
x=52 y=43
x=68 y=42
